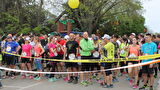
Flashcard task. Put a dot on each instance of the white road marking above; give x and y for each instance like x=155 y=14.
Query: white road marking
x=13 y=86
x=29 y=86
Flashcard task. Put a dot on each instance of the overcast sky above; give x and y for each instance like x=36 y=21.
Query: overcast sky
x=152 y=14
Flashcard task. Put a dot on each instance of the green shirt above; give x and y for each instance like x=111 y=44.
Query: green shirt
x=123 y=52
x=110 y=49
x=86 y=47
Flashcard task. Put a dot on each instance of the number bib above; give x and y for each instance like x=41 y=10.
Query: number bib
x=72 y=56
x=8 y=48
x=96 y=54
x=132 y=55
x=122 y=52
x=24 y=54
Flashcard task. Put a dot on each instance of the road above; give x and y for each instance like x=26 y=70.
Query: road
x=44 y=84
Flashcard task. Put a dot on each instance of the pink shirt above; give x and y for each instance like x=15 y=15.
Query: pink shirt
x=37 y=50
x=53 y=46
x=26 y=50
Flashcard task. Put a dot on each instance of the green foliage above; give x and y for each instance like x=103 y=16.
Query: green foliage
x=100 y=14
x=24 y=16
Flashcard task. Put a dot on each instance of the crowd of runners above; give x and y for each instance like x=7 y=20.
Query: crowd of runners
x=77 y=46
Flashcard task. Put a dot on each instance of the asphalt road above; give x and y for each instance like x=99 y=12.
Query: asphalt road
x=44 y=84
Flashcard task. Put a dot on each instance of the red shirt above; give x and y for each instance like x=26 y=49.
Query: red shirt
x=62 y=43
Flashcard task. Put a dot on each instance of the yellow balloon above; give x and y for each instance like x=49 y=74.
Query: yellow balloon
x=73 y=3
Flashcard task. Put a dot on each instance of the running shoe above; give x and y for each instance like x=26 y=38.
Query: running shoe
x=106 y=86
x=155 y=76
x=13 y=77
x=111 y=86
x=128 y=79
x=151 y=88
x=23 y=76
x=37 y=78
x=66 y=79
x=71 y=80
x=130 y=82
x=143 y=88
x=135 y=87
x=31 y=77
x=75 y=81
x=52 y=79
x=115 y=80
x=85 y=83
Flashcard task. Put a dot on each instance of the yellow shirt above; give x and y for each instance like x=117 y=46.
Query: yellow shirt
x=110 y=50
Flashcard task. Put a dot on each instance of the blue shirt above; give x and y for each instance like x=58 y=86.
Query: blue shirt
x=150 y=49
x=11 y=47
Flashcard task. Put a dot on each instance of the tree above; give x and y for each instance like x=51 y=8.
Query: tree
x=91 y=14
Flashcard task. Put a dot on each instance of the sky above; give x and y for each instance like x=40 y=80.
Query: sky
x=152 y=14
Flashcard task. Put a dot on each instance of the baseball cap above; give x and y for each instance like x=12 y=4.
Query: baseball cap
x=106 y=36
x=133 y=34
x=66 y=37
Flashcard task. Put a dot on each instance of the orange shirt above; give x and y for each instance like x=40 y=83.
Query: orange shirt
x=134 y=50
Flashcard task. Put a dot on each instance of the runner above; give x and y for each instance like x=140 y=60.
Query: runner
x=11 y=47
x=38 y=54
x=116 y=55
x=71 y=51
x=123 y=53
x=52 y=53
x=60 y=50
x=133 y=51
x=26 y=58
x=149 y=48
x=109 y=53
x=86 y=47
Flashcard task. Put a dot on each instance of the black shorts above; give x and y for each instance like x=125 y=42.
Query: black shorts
x=147 y=70
x=71 y=65
x=25 y=60
x=10 y=60
x=59 y=56
x=108 y=66
x=86 y=66
x=133 y=62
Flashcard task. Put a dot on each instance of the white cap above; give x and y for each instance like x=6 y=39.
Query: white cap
x=133 y=34
x=106 y=36
x=27 y=38
x=66 y=37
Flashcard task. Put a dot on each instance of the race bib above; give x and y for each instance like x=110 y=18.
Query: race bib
x=55 y=54
x=96 y=54
x=72 y=56
x=24 y=54
x=58 y=49
x=132 y=55
x=122 y=52
x=8 y=48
